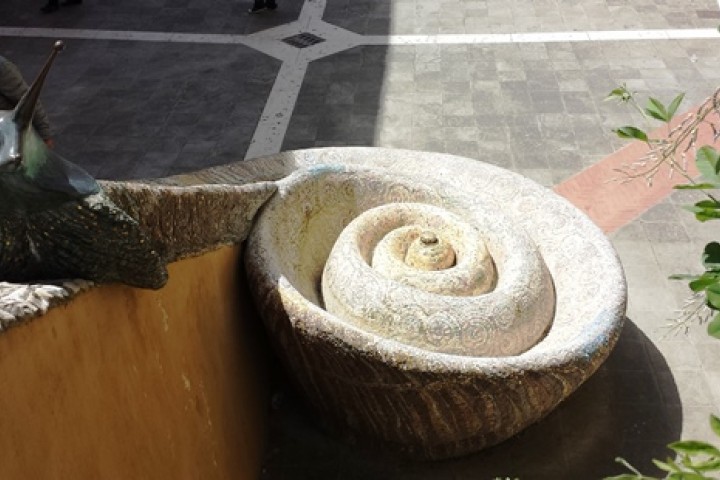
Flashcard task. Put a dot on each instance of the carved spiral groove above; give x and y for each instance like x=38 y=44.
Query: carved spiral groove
x=450 y=308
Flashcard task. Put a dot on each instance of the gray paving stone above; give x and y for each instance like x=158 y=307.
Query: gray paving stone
x=140 y=110
x=578 y=101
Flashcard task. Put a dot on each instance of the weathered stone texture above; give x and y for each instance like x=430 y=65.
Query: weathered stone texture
x=386 y=384
x=185 y=221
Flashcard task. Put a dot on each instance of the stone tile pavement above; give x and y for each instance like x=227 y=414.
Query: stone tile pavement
x=499 y=16
x=156 y=87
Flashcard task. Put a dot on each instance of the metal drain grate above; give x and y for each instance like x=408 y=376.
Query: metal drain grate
x=303 y=40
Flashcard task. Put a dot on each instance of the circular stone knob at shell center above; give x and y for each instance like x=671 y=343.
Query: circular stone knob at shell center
x=430 y=253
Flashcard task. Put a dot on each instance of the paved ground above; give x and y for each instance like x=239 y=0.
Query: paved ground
x=150 y=88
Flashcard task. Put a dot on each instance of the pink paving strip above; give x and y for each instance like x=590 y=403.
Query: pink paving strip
x=612 y=204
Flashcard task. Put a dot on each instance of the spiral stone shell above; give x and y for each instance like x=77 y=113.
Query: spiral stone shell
x=439 y=310
x=426 y=378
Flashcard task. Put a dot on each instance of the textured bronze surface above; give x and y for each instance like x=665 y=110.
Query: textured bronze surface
x=177 y=221
x=90 y=239
x=55 y=222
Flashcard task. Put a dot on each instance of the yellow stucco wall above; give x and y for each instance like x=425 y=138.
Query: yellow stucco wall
x=123 y=383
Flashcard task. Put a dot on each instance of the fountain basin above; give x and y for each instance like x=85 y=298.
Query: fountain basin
x=433 y=380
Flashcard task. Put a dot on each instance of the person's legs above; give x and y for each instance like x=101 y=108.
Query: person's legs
x=261 y=5
x=53 y=5
x=258 y=6
x=50 y=7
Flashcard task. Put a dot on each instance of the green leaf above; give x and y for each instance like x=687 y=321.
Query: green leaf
x=708 y=466
x=657 y=110
x=713 y=330
x=713 y=299
x=708 y=204
x=631 y=132
x=707 y=160
x=715 y=421
x=704 y=281
x=705 y=210
x=687 y=476
x=694 y=447
x=668 y=466
x=711 y=256
x=697 y=186
x=621 y=93
x=707 y=215
x=672 y=108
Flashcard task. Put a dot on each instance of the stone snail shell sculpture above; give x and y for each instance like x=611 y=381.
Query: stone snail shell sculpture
x=433 y=304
